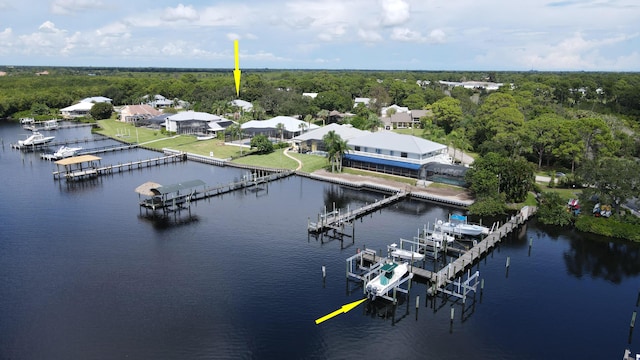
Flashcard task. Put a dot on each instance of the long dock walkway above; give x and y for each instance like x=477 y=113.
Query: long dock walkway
x=448 y=273
x=335 y=218
x=93 y=171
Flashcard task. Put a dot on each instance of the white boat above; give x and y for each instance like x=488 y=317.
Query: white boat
x=35 y=139
x=397 y=253
x=457 y=225
x=27 y=121
x=65 y=152
x=441 y=237
x=51 y=124
x=390 y=275
x=205 y=137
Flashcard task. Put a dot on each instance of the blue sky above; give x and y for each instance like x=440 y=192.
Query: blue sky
x=590 y=35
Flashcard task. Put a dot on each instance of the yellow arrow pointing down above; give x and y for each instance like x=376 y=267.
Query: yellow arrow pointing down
x=236 y=72
x=345 y=308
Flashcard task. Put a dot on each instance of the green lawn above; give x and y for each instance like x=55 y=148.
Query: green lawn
x=275 y=159
x=311 y=163
x=401 y=179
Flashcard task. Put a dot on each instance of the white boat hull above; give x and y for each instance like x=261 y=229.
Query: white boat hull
x=35 y=139
x=383 y=283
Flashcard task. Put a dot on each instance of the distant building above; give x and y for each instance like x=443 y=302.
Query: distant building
x=242 y=104
x=77 y=110
x=361 y=100
x=96 y=99
x=397 y=108
x=311 y=95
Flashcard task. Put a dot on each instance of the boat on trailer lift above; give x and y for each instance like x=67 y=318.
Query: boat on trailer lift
x=390 y=276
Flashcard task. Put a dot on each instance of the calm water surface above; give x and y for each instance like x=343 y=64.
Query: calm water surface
x=85 y=274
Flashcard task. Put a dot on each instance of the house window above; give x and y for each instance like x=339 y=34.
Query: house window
x=403 y=154
x=357 y=148
x=391 y=153
x=378 y=151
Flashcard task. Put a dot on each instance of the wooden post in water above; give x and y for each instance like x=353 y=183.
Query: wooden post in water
x=633 y=320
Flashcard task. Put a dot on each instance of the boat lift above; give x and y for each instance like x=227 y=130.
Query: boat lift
x=357 y=271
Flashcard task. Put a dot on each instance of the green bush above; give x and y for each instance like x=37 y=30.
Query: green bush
x=610 y=227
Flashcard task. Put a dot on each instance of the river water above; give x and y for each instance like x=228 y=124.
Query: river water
x=86 y=274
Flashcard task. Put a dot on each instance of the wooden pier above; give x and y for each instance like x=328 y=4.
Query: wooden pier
x=336 y=218
x=86 y=166
x=178 y=196
x=446 y=275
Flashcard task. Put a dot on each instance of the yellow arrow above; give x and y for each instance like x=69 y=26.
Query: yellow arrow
x=236 y=72
x=345 y=308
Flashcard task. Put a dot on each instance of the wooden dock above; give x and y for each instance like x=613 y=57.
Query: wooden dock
x=466 y=259
x=335 y=218
x=72 y=173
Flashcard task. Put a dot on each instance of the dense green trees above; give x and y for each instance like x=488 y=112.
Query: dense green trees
x=101 y=110
x=262 y=144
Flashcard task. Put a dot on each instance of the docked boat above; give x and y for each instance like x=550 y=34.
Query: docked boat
x=458 y=225
x=66 y=151
x=403 y=254
x=27 y=121
x=51 y=125
x=35 y=139
x=441 y=237
x=205 y=137
x=389 y=277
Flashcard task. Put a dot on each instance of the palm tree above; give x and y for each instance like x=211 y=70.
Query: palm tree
x=324 y=114
x=336 y=147
x=302 y=126
x=234 y=131
x=374 y=122
x=280 y=129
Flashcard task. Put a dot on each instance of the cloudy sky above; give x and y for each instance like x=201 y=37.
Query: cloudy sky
x=591 y=35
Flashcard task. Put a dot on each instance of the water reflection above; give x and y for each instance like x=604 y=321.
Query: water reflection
x=167 y=221
x=612 y=261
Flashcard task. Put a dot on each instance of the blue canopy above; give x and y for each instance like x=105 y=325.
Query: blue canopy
x=458 y=217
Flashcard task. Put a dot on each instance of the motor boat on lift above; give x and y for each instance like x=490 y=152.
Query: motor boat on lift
x=66 y=151
x=35 y=139
x=458 y=225
x=390 y=275
x=398 y=253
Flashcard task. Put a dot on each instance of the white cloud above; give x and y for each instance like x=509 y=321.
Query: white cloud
x=437 y=36
x=66 y=7
x=405 y=34
x=118 y=29
x=180 y=12
x=395 y=12
x=49 y=27
x=233 y=36
x=369 y=36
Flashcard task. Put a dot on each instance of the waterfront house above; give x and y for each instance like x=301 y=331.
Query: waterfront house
x=292 y=127
x=312 y=141
x=404 y=155
x=137 y=114
x=76 y=110
x=196 y=122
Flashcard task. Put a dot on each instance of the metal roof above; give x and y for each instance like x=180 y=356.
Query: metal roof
x=77 y=160
x=345 y=132
x=173 y=188
x=389 y=140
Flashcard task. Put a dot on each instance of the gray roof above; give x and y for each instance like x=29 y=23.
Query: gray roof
x=345 y=132
x=174 y=188
x=396 y=142
x=195 y=115
x=420 y=113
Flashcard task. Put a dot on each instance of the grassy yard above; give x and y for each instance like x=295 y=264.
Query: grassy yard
x=401 y=179
x=275 y=159
x=311 y=163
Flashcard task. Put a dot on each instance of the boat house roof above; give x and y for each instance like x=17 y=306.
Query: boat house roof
x=77 y=160
x=151 y=188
